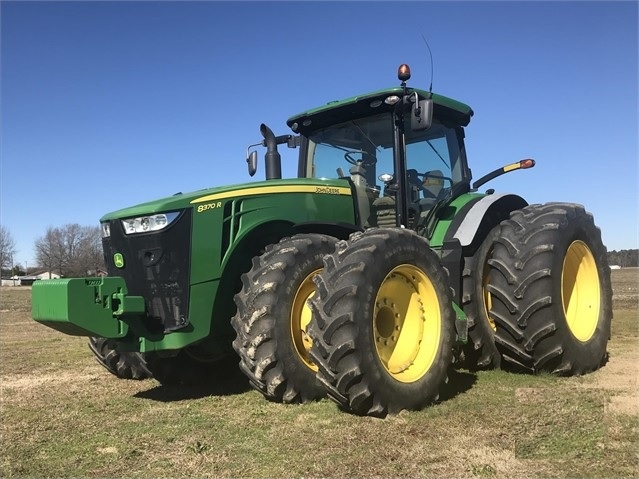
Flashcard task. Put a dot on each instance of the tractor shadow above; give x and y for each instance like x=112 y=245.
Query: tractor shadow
x=229 y=382
x=459 y=381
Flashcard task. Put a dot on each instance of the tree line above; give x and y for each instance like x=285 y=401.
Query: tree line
x=626 y=258
x=69 y=250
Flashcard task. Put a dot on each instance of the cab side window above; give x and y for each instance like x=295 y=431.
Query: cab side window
x=432 y=162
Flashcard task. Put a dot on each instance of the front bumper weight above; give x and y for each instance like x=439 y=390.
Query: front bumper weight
x=85 y=306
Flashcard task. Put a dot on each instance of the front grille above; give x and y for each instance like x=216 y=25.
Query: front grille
x=156 y=267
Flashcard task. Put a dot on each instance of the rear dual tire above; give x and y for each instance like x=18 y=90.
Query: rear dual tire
x=551 y=296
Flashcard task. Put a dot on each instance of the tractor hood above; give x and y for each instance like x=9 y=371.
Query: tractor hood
x=185 y=200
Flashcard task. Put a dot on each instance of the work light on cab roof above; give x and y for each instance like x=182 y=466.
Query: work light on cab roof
x=403 y=73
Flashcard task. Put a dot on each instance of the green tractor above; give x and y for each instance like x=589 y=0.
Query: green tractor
x=365 y=278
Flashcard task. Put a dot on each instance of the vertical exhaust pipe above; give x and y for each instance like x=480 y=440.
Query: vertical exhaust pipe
x=273 y=159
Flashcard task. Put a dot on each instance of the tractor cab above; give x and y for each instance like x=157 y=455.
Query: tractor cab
x=402 y=150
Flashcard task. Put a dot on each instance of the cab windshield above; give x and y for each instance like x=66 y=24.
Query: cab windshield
x=365 y=147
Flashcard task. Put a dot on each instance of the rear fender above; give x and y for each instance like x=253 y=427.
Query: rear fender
x=472 y=224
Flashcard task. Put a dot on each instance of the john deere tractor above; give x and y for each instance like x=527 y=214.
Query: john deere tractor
x=363 y=278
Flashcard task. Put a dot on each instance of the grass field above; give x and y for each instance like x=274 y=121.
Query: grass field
x=63 y=415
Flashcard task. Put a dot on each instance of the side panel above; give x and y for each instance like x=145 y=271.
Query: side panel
x=470 y=213
x=220 y=224
x=444 y=217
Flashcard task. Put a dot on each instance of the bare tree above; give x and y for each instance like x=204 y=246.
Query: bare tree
x=70 y=250
x=88 y=251
x=7 y=248
x=48 y=250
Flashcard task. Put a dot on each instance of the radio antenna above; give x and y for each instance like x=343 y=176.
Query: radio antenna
x=430 y=54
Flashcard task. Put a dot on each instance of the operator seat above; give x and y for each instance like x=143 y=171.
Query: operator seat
x=432 y=186
x=433 y=183
x=358 y=178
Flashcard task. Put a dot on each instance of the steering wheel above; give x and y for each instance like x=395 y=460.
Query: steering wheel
x=367 y=158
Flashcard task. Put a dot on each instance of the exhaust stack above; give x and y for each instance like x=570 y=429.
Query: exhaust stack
x=273 y=159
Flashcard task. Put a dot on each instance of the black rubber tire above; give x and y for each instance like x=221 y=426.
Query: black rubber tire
x=271 y=339
x=539 y=249
x=480 y=352
x=124 y=365
x=351 y=309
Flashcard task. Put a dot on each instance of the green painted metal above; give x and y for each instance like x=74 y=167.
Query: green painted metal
x=85 y=306
x=445 y=217
x=461 y=318
x=222 y=193
x=457 y=108
x=283 y=203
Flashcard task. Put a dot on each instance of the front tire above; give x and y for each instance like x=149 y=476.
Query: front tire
x=273 y=316
x=123 y=364
x=382 y=323
x=551 y=291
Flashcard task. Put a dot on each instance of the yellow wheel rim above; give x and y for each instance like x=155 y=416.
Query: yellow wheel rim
x=580 y=291
x=301 y=318
x=407 y=323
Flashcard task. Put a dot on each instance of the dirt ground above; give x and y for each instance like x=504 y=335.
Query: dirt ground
x=55 y=400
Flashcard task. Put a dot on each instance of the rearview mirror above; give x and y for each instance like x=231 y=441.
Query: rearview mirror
x=252 y=162
x=421 y=115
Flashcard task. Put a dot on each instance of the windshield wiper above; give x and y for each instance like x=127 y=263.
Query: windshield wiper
x=365 y=136
x=438 y=154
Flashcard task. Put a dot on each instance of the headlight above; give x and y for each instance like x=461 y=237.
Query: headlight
x=106 y=230
x=145 y=224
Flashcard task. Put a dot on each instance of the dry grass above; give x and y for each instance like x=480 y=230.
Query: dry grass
x=63 y=415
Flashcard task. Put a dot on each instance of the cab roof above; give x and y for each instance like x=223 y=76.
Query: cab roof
x=370 y=103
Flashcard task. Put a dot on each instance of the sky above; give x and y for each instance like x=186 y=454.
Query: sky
x=106 y=105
